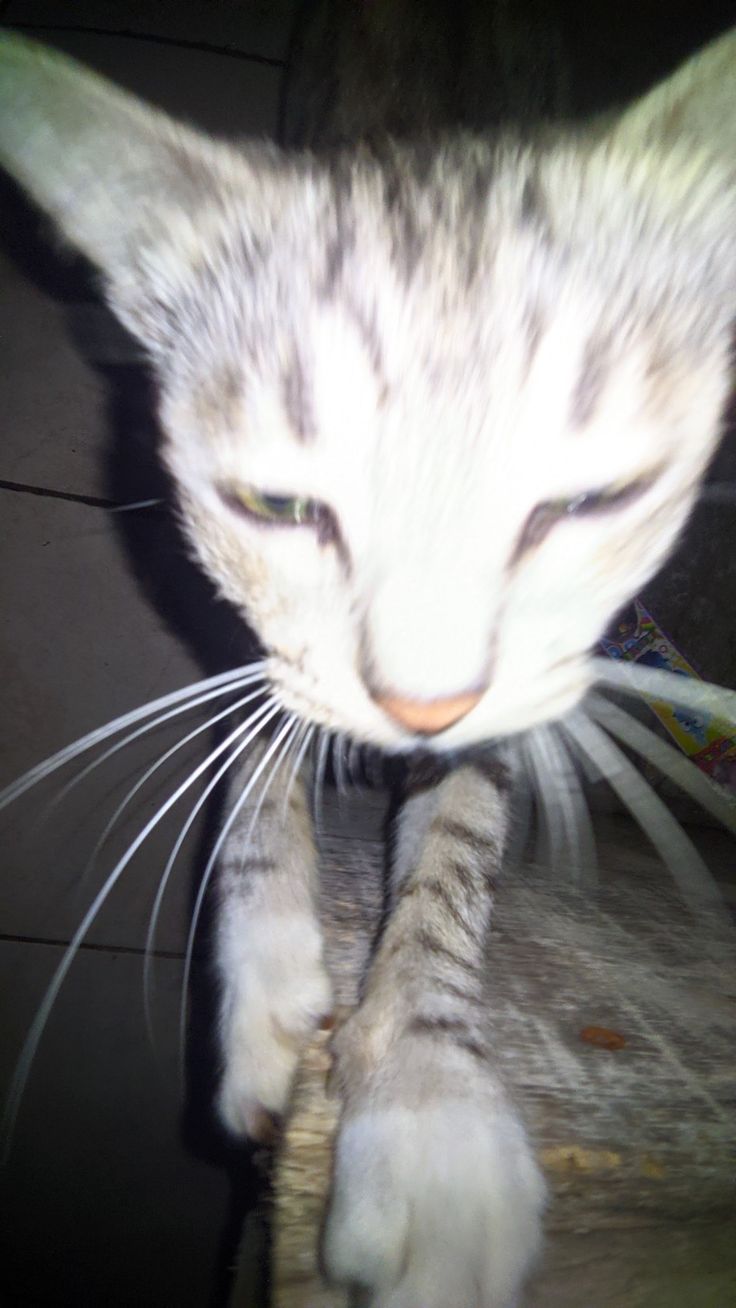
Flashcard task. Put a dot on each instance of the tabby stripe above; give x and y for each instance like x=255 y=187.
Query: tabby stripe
x=464 y=878
x=437 y=890
x=593 y=376
x=443 y=987
x=465 y=834
x=251 y=865
x=452 y=1027
x=429 y=942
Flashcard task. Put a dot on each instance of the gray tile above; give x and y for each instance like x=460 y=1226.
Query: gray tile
x=102 y=1202
x=53 y=402
x=258 y=26
x=84 y=645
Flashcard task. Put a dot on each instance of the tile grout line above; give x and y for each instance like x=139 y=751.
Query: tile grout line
x=8 y=938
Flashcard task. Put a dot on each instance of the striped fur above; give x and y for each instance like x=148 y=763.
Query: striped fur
x=439 y=343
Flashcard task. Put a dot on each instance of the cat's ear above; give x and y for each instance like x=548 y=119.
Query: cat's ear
x=125 y=184
x=694 y=107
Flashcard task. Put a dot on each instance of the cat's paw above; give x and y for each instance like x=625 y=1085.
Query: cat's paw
x=280 y=994
x=437 y=1200
x=434 y=1207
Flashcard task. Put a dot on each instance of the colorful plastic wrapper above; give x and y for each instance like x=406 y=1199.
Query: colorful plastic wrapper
x=708 y=741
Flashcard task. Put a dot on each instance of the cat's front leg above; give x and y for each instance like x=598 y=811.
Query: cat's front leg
x=274 y=988
x=437 y=1199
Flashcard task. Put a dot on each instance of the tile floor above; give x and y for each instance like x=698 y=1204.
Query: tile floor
x=111 y=1194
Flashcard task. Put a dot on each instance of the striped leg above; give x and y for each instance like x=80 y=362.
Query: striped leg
x=274 y=986
x=436 y=1198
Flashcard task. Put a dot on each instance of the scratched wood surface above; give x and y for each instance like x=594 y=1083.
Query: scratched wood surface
x=637 y=1142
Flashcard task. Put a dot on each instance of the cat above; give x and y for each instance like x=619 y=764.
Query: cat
x=433 y=415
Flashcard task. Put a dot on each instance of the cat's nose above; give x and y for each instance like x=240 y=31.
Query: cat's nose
x=428 y=716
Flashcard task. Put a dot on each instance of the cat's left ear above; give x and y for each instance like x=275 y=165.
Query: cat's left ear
x=124 y=183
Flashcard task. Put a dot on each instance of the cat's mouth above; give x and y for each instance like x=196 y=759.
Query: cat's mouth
x=401 y=724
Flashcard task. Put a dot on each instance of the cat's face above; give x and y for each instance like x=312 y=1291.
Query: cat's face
x=478 y=429
x=433 y=419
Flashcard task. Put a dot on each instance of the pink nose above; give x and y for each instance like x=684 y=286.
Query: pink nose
x=428 y=716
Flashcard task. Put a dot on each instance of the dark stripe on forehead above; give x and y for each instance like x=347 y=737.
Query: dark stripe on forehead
x=533 y=201
x=594 y=372
x=297 y=398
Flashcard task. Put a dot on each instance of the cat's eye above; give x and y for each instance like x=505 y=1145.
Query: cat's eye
x=598 y=501
x=589 y=503
x=284 y=510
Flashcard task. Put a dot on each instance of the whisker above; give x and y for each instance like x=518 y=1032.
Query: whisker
x=300 y=749
x=680 y=856
x=338 y=762
x=150 y=726
x=522 y=802
x=30 y=1045
x=212 y=860
x=323 y=745
x=569 y=794
x=551 y=828
x=254 y=724
x=666 y=758
x=655 y=683
x=137 y=504
x=290 y=739
x=353 y=763
x=159 y=763
x=44 y=769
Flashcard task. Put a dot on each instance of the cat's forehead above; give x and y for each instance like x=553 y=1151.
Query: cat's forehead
x=444 y=296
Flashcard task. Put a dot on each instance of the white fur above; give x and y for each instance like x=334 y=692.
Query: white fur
x=438 y=1206
x=277 y=991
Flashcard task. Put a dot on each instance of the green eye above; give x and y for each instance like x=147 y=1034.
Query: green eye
x=598 y=501
x=286 y=510
x=594 y=503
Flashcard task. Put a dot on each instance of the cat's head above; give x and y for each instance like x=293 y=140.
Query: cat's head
x=433 y=417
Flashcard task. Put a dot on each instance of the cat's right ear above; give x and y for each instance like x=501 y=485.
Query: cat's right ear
x=694 y=107
x=124 y=183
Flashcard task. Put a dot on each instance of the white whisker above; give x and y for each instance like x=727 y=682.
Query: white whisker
x=323 y=745
x=254 y=724
x=678 y=852
x=338 y=763
x=212 y=860
x=522 y=802
x=159 y=763
x=290 y=739
x=568 y=793
x=137 y=504
x=655 y=683
x=301 y=746
x=551 y=833
x=353 y=762
x=668 y=760
x=50 y=765
x=38 y=1025
x=150 y=726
